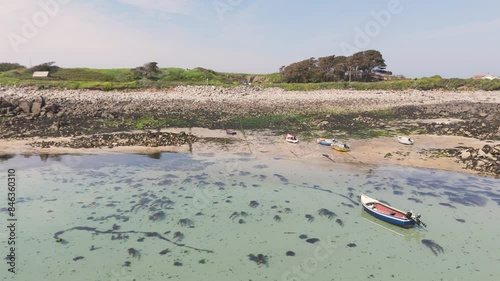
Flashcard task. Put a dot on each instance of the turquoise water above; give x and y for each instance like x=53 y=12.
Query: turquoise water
x=199 y=217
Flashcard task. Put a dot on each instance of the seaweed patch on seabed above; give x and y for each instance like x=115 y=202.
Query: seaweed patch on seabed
x=466 y=199
x=282 y=178
x=95 y=231
x=432 y=194
x=447 y=205
x=433 y=246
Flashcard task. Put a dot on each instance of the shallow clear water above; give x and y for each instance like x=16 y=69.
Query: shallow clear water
x=101 y=206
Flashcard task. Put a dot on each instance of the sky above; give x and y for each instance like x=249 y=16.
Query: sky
x=416 y=38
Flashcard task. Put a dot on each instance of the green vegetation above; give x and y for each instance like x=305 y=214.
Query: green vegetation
x=281 y=122
x=149 y=122
x=149 y=76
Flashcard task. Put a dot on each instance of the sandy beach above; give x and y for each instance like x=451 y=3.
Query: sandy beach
x=451 y=120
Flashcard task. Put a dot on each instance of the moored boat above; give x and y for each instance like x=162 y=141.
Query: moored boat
x=389 y=214
x=340 y=146
x=405 y=140
x=324 y=142
x=291 y=138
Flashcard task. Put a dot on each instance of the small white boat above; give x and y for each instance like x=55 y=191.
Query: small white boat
x=291 y=138
x=405 y=140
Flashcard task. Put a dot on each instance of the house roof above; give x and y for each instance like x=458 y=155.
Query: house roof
x=41 y=74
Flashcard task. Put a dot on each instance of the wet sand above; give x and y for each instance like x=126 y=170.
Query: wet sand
x=375 y=151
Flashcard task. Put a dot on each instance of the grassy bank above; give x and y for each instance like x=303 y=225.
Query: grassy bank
x=118 y=79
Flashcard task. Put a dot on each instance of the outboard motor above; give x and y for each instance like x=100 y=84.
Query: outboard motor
x=409 y=215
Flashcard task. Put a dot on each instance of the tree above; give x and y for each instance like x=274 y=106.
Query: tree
x=5 y=66
x=149 y=70
x=48 y=66
x=366 y=65
x=362 y=66
x=300 y=72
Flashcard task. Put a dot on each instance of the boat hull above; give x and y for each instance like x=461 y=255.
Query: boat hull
x=395 y=217
x=291 y=138
x=398 y=222
x=405 y=140
x=339 y=148
x=324 y=142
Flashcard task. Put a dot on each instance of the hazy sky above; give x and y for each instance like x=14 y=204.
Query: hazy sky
x=417 y=38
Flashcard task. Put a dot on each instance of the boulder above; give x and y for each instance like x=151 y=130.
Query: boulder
x=37 y=105
x=25 y=106
x=487 y=149
x=6 y=104
x=465 y=155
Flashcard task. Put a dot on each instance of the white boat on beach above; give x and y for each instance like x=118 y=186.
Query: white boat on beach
x=405 y=140
x=291 y=138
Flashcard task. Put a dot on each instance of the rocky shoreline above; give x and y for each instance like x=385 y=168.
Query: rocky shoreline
x=95 y=118
x=147 y=139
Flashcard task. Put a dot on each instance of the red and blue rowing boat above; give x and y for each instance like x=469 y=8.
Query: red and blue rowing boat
x=389 y=214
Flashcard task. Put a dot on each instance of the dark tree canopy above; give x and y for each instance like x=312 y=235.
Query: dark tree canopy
x=362 y=66
x=149 y=70
x=5 y=66
x=48 y=66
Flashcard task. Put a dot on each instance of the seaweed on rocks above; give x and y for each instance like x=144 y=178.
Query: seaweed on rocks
x=433 y=246
x=185 y=222
x=327 y=213
x=234 y=215
x=281 y=178
x=431 y=194
x=468 y=199
x=178 y=236
x=447 y=205
x=347 y=205
x=340 y=222
x=133 y=253
x=253 y=204
x=277 y=218
x=259 y=259
x=158 y=216
x=312 y=240
x=164 y=252
x=415 y=200
x=309 y=217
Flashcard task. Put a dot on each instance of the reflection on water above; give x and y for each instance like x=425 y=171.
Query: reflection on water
x=238 y=217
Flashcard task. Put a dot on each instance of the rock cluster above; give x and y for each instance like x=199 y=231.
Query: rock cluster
x=483 y=130
x=148 y=139
x=485 y=160
x=26 y=106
